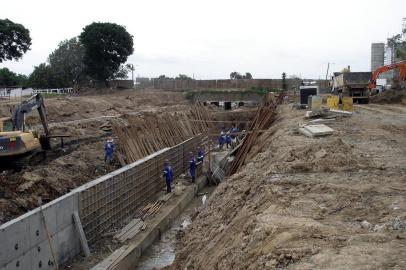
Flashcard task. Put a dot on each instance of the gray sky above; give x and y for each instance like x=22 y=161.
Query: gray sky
x=211 y=38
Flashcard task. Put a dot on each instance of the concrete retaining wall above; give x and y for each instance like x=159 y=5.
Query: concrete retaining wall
x=102 y=204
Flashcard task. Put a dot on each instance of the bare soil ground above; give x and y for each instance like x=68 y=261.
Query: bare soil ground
x=335 y=202
x=80 y=117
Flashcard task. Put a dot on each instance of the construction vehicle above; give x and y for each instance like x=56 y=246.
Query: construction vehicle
x=352 y=84
x=19 y=146
x=402 y=74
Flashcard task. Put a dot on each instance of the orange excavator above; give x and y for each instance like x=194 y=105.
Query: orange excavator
x=402 y=73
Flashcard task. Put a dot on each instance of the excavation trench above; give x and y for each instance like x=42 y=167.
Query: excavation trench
x=163 y=251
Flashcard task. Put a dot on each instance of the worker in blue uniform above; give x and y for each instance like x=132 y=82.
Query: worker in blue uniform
x=168 y=174
x=200 y=154
x=228 y=140
x=192 y=166
x=233 y=135
x=222 y=138
x=109 y=149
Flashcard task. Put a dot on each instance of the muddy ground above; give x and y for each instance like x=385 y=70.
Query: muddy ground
x=82 y=117
x=336 y=202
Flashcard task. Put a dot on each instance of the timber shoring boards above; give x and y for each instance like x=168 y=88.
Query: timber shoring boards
x=263 y=119
x=150 y=133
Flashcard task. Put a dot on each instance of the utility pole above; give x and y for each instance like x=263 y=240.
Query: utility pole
x=328 y=68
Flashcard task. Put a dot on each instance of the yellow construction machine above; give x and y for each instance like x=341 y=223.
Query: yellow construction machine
x=18 y=145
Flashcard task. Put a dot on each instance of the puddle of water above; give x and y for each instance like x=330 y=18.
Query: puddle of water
x=162 y=253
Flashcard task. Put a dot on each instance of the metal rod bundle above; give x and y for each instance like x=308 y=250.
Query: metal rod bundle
x=263 y=119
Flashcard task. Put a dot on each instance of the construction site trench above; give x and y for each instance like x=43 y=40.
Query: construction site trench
x=65 y=180
x=290 y=200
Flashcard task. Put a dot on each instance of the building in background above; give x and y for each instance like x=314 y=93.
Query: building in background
x=377 y=55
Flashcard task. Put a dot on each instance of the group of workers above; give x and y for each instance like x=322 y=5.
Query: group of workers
x=109 y=149
x=228 y=138
x=193 y=162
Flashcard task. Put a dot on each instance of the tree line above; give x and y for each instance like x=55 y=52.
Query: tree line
x=97 y=54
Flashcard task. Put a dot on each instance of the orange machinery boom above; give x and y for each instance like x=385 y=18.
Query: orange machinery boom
x=402 y=72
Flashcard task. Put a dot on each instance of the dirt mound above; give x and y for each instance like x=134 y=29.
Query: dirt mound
x=390 y=97
x=308 y=203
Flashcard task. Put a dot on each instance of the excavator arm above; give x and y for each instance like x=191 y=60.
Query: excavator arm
x=402 y=72
x=35 y=102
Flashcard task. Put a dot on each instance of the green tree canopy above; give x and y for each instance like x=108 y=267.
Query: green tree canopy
x=183 y=77
x=107 y=46
x=247 y=75
x=236 y=75
x=67 y=62
x=15 y=40
x=43 y=77
x=9 y=78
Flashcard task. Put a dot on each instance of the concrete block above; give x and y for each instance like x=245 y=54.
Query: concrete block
x=319 y=130
x=305 y=132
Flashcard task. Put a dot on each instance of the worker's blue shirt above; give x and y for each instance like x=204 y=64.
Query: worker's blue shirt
x=233 y=131
x=228 y=139
x=200 y=154
x=109 y=148
x=222 y=138
x=192 y=166
x=168 y=173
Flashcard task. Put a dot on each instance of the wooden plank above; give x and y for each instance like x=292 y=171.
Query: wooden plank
x=82 y=236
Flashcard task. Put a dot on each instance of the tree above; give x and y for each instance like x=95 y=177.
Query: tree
x=284 y=85
x=43 y=77
x=247 y=75
x=9 y=78
x=107 y=46
x=183 y=77
x=67 y=62
x=121 y=73
x=235 y=75
x=399 y=44
x=15 y=40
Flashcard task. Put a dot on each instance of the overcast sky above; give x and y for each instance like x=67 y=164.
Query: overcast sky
x=211 y=38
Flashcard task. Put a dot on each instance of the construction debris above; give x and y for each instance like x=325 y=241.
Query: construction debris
x=129 y=231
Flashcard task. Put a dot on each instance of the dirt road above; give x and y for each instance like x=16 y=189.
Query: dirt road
x=336 y=202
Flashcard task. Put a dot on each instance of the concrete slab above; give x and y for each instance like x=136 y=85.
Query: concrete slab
x=305 y=132
x=319 y=130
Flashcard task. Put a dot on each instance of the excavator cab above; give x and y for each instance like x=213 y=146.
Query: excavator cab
x=18 y=145
x=6 y=124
